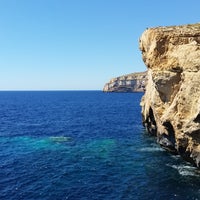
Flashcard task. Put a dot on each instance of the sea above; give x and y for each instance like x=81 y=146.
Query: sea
x=85 y=145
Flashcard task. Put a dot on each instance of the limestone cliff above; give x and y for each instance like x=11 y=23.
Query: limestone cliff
x=134 y=82
x=171 y=104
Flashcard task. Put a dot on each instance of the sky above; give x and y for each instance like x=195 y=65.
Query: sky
x=79 y=44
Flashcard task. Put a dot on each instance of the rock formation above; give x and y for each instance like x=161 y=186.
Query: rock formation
x=134 y=82
x=171 y=104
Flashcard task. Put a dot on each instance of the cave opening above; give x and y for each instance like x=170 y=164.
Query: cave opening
x=151 y=123
x=171 y=132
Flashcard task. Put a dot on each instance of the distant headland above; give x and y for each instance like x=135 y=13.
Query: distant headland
x=134 y=82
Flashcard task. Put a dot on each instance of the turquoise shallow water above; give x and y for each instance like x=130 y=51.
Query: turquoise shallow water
x=85 y=145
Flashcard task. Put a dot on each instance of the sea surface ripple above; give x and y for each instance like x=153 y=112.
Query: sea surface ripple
x=85 y=145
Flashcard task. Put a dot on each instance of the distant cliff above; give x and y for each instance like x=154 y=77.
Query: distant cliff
x=134 y=82
x=171 y=104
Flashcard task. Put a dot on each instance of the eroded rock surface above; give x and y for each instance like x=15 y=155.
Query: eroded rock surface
x=171 y=104
x=134 y=82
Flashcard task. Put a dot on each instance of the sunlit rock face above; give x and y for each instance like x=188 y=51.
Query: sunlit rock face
x=134 y=82
x=171 y=104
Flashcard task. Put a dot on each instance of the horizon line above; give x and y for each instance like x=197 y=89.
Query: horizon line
x=46 y=90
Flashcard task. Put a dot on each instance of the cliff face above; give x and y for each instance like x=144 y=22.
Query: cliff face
x=134 y=82
x=171 y=104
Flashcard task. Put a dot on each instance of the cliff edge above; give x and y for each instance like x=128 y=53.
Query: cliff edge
x=134 y=82
x=171 y=104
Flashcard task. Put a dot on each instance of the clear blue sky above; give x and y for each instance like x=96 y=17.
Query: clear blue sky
x=79 y=44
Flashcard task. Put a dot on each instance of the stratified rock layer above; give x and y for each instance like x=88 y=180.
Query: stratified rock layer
x=134 y=82
x=171 y=104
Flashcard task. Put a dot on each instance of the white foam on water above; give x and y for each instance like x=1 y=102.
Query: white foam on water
x=175 y=157
x=151 y=149
x=185 y=170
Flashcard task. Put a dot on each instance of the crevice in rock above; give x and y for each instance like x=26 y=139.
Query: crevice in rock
x=170 y=130
x=182 y=150
x=196 y=158
x=150 y=123
x=196 y=136
x=197 y=119
x=168 y=141
x=161 y=46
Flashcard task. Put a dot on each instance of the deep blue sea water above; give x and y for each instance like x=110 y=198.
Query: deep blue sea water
x=85 y=145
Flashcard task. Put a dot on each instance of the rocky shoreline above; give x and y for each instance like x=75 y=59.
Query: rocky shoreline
x=171 y=103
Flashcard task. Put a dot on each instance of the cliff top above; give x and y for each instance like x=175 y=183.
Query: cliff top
x=182 y=30
x=161 y=45
x=132 y=75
